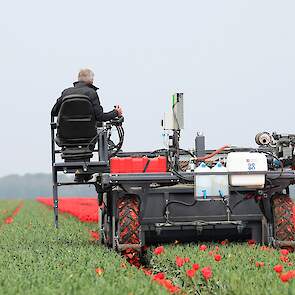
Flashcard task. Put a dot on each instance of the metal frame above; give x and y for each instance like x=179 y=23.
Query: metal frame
x=249 y=217
x=70 y=167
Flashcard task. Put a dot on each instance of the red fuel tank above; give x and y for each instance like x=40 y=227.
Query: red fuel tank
x=138 y=165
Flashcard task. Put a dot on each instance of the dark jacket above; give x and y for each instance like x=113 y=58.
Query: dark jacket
x=90 y=91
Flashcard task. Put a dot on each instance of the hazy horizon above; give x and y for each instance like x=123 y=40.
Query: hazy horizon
x=233 y=60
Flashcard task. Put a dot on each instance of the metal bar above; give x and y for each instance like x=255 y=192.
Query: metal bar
x=102 y=146
x=60 y=151
x=54 y=174
x=55 y=196
x=79 y=164
x=199 y=223
x=75 y=183
x=52 y=142
x=158 y=177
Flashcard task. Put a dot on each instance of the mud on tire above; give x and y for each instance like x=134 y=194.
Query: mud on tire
x=284 y=227
x=129 y=226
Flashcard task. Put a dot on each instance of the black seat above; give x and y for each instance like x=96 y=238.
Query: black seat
x=76 y=128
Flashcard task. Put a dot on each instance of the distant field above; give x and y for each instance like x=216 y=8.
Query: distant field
x=37 y=259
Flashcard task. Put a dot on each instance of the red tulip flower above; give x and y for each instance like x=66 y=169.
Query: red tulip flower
x=186 y=259
x=190 y=273
x=259 y=264
x=251 y=242
x=203 y=247
x=159 y=250
x=278 y=268
x=8 y=220
x=179 y=261
x=284 y=252
x=94 y=234
x=99 y=271
x=159 y=276
x=224 y=242
x=217 y=257
x=285 y=277
x=207 y=272
x=284 y=258
x=195 y=266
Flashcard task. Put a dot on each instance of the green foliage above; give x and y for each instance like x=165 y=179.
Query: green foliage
x=36 y=259
x=236 y=273
x=6 y=208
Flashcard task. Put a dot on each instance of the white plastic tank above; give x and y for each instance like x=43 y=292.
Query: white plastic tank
x=247 y=162
x=219 y=182
x=203 y=182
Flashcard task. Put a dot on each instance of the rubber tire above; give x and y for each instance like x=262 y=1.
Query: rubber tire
x=284 y=227
x=128 y=220
x=128 y=226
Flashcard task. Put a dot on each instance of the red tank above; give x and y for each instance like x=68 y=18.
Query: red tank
x=138 y=165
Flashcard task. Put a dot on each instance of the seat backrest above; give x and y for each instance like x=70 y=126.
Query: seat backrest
x=76 y=122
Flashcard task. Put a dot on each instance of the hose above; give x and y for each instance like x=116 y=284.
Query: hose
x=198 y=159
x=275 y=157
x=93 y=139
x=180 y=203
x=118 y=146
x=187 y=152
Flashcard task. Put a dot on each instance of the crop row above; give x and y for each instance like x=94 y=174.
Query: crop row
x=225 y=268
x=8 y=210
x=216 y=269
x=35 y=258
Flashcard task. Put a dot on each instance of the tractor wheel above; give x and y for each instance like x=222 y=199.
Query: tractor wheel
x=284 y=227
x=128 y=229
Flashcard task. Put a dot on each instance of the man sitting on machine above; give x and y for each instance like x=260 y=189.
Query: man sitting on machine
x=76 y=129
x=85 y=86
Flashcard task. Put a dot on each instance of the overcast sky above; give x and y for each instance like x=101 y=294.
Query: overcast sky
x=233 y=60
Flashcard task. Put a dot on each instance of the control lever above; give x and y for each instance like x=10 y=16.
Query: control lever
x=117 y=121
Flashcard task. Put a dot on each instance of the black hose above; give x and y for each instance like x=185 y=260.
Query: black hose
x=275 y=157
x=188 y=152
x=177 y=174
x=93 y=139
x=180 y=203
x=186 y=180
x=118 y=146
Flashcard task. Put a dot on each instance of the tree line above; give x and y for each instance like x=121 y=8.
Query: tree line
x=33 y=185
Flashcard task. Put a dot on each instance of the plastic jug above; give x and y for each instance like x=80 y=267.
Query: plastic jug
x=219 y=182
x=202 y=182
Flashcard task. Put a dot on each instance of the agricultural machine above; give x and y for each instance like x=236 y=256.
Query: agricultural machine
x=171 y=193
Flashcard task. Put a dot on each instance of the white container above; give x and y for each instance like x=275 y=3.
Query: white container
x=203 y=182
x=219 y=182
x=247 y=162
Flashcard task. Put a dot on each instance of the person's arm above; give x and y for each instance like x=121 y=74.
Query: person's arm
x=56 y=107
x=109 y=115
x=98 y=110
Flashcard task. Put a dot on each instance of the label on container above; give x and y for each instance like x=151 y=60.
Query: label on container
x=251 y=164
